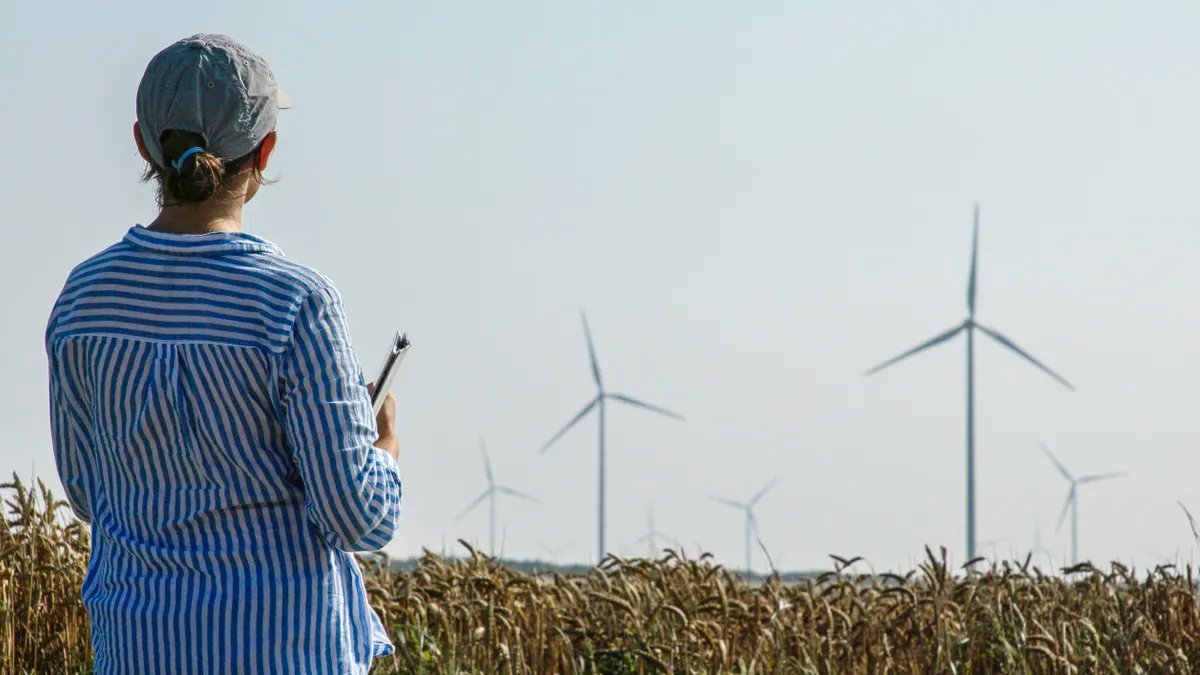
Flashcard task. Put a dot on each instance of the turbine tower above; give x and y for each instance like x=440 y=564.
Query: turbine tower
x=1072 y=502
x=490 y=495
x=751 y=522
x=969 y=326
x=598 y=402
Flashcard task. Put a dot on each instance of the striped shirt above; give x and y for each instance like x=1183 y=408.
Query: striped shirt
x=211 y=423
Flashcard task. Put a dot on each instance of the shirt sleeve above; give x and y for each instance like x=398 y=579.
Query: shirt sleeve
x=69 y=427
x=352 y=489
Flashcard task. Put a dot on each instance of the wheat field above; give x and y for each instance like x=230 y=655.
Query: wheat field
x=674 y=614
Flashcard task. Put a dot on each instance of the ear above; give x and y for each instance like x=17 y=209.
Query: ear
x=141 y=144
x=264 y=153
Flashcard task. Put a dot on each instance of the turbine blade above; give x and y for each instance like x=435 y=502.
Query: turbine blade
x=999 y=337
x=473 y=504
x=759 y=495
x=487 y=463
x=729 y=502
x=1061 y=469
x=1102 y=476
x=971 y=287
x=575 y=420
x=520 y=495
x=641 y=404
x=932 y=342
x=592 y=352
x=1066 y=505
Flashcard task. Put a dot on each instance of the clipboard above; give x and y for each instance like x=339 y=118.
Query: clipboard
x=391 y=363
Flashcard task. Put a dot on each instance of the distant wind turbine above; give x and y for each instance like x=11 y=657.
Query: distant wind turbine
x=1160 y=559
x=751 y=522
x=780 y=556
x=1037 y=548
x=624 y=550
x=969 y=326
x=490 y=495
x=991 y=543
x=1072 y=502
x=598 y=402
x=555 y=551
x=652 y=534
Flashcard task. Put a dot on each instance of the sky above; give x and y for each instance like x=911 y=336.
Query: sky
x=753 y=202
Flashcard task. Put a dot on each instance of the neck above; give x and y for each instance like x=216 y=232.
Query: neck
x=199 y=218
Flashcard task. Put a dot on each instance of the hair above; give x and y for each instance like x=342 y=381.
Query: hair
x=202 y=176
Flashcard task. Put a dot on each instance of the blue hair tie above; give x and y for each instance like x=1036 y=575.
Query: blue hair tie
x=178 y=163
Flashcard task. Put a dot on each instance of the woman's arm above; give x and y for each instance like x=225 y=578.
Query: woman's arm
x=352 y=488
x=68 y=428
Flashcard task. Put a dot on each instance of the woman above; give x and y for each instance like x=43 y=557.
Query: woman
x=210 y=420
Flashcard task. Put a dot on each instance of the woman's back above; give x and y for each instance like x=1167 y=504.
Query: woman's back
x=212 y=424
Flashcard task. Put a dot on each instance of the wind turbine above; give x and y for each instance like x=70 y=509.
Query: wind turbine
x=490 y=495
x=555 y=551
x=969 y=326
x=751 y=521
x=991 y=543
x=1037 y=548
x=652 y=534
x=598 y=402
x=1072 y=502
x=780 y=555
x=1160 y=559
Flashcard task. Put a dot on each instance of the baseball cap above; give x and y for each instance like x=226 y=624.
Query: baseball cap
x=213 y=86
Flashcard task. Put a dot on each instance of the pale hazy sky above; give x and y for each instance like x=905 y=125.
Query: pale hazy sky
x=754 y=202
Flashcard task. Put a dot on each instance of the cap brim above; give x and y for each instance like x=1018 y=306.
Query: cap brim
x=285 y=101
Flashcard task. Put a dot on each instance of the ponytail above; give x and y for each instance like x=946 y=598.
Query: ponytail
x=193 y=175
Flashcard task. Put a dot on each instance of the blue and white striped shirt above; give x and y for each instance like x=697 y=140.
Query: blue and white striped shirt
x=211 y=422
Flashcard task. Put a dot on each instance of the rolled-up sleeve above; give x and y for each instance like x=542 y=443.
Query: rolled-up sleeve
x=352 y=489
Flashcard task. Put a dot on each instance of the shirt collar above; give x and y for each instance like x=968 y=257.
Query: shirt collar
x=210 y=244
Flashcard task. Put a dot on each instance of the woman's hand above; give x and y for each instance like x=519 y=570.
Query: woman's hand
x=386 y=423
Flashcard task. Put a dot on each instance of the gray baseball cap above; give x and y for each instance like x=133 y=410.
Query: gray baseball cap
x=213 y=86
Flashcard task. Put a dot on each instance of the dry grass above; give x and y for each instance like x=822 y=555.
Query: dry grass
x=43 y=556
x=634 y=616
x=676 y=615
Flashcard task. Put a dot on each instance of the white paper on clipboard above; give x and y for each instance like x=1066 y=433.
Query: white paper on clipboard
x=391 y=363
